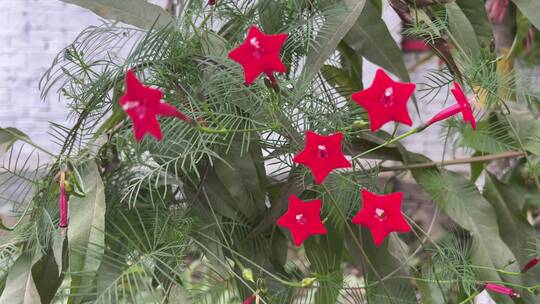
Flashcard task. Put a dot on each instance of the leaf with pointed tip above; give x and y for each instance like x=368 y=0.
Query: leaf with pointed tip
x=370 y=37
x=529 y=8
x=20 y=287
x=460 y=200
x=462 y=31
x=333 y=31
x=8 y=137
x=86 y=237
x=139 y=13
x=475 y=11
x=514 y=228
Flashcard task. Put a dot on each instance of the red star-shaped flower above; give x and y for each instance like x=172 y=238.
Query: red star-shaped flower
x=302 y=219
x=259 y=54
x=462 y=106
x=381 y=214
x=385 y=100
x=143 y=104
x=322 y=154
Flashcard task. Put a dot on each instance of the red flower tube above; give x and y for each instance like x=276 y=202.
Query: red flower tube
x=529 y=265
x=497 y=10
x=63 y=202
x=502 y=290
x=462 y=106
x=249 y=300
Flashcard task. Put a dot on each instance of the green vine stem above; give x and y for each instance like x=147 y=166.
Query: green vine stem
x=389 y=142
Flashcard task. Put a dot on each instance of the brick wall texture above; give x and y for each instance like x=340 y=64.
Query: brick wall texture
x=34 y=31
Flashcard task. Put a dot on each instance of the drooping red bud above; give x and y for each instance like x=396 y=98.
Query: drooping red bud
x=502 y=290
x=63 y=202
x=529 y=265
x=249 y=300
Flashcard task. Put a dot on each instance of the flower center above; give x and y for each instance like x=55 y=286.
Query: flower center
x=130 y=105
x=388 y=97
x=136 y=106
x=322 y=152
x=257 y=49
x=301 y=219
x=380 y=214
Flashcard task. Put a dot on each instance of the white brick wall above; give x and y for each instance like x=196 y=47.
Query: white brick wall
x=34 y=31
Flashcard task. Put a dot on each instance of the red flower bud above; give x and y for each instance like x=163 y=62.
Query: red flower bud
x=63 y=202
x=497 y=10
x=211 y=2
x=502 y=290
x=250 y=299
x=529 y=265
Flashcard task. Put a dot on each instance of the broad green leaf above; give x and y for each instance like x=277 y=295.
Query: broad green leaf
x=476 y=168
x=475 y=11
x=47 y=276
x=270 y=12
x=86 y=233
x=8 y=137
x=378 y=4
x=514 y=228
x=370 y=37
x=20 y=287
x=243 y=177
x=333 y=31
x=530 y=9
x=464 y=204
x=139 y=13
x=463 y=31
x=58 y=249
x=341 y=80
x=527 y=127
x=347 y=79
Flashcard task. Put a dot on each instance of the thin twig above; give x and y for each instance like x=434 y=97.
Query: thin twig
x=457 y=161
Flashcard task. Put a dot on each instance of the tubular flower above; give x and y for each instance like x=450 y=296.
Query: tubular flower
x=381 y=214
x=63 y=202
x=385 y=101
x=529 y=265
x=303 y=219
x=260 y=54
x=462 y=106
x=322 y=154
x=502 y=290
x=497 y=10
x=143 y=104
x=250 y=299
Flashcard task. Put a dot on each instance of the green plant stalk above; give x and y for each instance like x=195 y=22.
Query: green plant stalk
x=227 y=131
x=469 y=298
x=356 y=241
x=390 y=141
